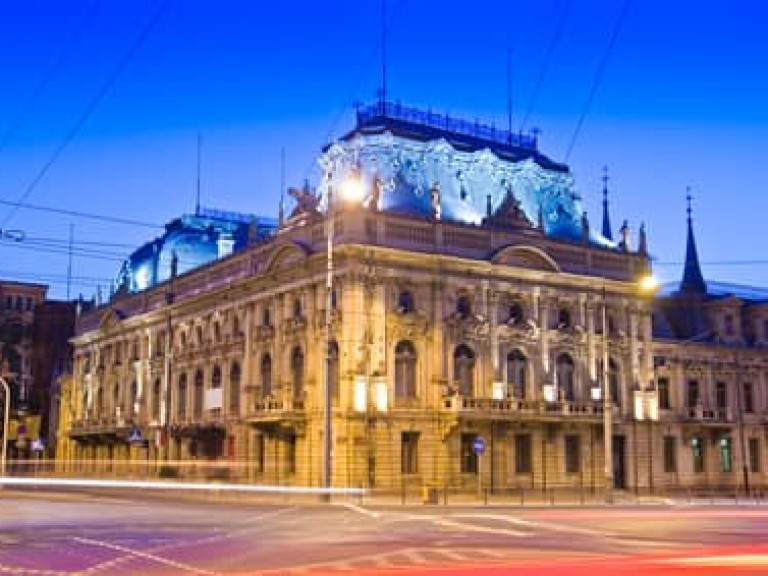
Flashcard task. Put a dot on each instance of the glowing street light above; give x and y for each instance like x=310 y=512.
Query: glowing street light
x=352 y=190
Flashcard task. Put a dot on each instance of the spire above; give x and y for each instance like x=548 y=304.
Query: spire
x=693 y=281
x=606 y=218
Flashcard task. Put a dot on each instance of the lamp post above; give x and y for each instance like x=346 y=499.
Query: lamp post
x=351 y=189
x=742 y=440
x=607 y=410
x=7 y=394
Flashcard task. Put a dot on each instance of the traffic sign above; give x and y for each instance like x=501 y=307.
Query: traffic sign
x=37 y=445
x=135 y=436
x=479 y=445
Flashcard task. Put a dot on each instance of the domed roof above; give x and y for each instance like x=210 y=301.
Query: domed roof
x=188 y=243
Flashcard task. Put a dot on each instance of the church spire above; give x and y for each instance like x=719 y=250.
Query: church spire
x=693 y=281
x=606 y=218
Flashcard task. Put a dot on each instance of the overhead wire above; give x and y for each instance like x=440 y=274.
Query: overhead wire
x=122 y=64
x=80 y=214
x=598 y=77
x=546 y=63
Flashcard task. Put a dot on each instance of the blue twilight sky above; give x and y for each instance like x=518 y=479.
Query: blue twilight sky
x=102 y=102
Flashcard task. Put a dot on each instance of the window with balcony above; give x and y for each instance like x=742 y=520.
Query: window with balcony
x=563 y=319
x=662 y=386
x=523 y=454
x=516 y=374
x=692 y=396
x=181 y=398
x=234 y=389
x=156 y=400
x=216 y=377
x=749 y=398
x=464 y=368
x=463 y=307
x=405 y=370
x=468 y=455
x=572 y=454
x=721 y=396
x=266 y=376
x=216 y=332
x=197 y=395
x=297 y=372
x=405 y=304
x=670 y=454
x=409 y=453
x=116 y=395
x=515 y=315
x=564 y=377
x=297 y=311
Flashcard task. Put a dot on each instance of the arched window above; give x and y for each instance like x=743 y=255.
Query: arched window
x=156 y=400
x=234 y=389
x=266 y=375
x=564 y=377
x=463 y=307
x=516 y=375
x=463 y=369
x=216 y=376
x=405 y=304
x=297 y=308
x=116 y=395
x=297 y=372
x=181 y=398
x=515 y=314
x=334 y=369
x=405 y=370
x=132 y=408
x=613 y=382
x=197 y=395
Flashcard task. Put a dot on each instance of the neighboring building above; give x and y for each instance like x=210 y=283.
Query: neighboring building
x=470 y=299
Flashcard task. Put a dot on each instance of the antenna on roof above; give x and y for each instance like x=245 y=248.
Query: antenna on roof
x=383 y=50
x=199 y=146
x=281 y=212
x=509 y=94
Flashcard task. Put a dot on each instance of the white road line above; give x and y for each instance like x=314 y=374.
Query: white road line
x=360 y=510
x=475 y=528
x=734 y=560
x=139 y=554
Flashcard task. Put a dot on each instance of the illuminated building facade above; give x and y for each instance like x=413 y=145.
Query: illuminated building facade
x=471 y=299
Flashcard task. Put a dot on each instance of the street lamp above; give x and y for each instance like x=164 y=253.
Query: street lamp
x=7 y=394
x=352 y=188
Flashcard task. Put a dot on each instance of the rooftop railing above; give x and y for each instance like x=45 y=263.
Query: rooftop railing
x=487 y=132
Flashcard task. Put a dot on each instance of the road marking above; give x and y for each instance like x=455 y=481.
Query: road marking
x=475 y=528
x=139 y=554
x=735 y=560
x=360 y=509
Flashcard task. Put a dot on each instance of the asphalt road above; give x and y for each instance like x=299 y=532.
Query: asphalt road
x=67 y=534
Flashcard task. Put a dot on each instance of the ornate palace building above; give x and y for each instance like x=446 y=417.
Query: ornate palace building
x=460 y=319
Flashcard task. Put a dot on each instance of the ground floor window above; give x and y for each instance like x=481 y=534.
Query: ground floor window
x=726 y=455
x=468 y=456
x=754 y=455
x=697 y=451
x=523 y=454
x=572 y=454
x=290 y=454
x=409 y=455
x=670 y=454
x=259 y=452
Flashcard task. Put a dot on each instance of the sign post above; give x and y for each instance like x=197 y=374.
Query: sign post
x=479 y=447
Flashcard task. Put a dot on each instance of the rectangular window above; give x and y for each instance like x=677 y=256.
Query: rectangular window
x=9 y=305
x=693 y=394
x=726 y=455
x=523 y=454
x=670 y=454
x=754 y=455
x=260 y=449
x=663 y=388
x=468 y=456
x=409 y=453
x=572 y=454
x=749 y=398
x=290 y=454
x=697 y=451
x=721 y=396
